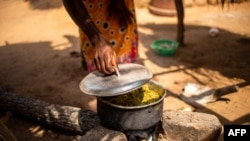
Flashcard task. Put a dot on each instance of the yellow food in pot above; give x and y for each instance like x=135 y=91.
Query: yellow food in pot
x=147 y=94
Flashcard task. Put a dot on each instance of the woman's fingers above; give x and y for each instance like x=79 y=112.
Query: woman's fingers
x=106 y=63
x=97 y=64
x=113 y=60
x=107 y=66
x=110 y=62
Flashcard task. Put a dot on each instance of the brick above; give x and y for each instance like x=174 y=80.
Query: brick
x=190 y=126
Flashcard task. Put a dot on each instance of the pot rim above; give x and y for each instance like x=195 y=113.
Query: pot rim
x=136 y=107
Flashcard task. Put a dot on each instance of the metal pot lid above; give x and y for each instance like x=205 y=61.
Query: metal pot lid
x=132 y=76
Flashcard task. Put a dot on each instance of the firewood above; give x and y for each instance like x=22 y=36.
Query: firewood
x=72 y=119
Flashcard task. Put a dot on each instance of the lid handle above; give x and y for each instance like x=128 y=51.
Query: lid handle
x=117 y=71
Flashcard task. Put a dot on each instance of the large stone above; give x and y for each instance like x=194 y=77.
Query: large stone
x=101 y=133
x=190 y=126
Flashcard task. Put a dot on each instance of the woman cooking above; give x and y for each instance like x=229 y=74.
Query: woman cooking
x=108 y=32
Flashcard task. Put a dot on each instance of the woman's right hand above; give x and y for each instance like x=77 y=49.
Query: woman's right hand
x=105 y=57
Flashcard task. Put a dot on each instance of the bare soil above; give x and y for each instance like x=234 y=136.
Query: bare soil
x=37 y=39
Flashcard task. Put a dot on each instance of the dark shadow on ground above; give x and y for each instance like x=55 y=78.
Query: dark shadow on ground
x=59 y=72
x=228 y=50
x=60 y=66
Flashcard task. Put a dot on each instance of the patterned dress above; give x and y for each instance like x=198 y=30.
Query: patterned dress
x=123 y=40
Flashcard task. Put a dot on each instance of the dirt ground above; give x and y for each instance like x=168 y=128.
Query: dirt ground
x=37 y=37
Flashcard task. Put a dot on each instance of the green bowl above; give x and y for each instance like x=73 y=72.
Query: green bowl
x=164 y=47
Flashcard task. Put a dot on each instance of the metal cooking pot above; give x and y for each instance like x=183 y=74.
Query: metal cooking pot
x=125 y=118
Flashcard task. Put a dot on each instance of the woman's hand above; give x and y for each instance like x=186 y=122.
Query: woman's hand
x=105 y=57
x=119 y=9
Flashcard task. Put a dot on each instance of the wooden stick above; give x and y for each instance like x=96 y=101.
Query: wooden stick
x=73 y=119
x=117 y=71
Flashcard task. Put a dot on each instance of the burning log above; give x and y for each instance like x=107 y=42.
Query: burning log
x=72 y=119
